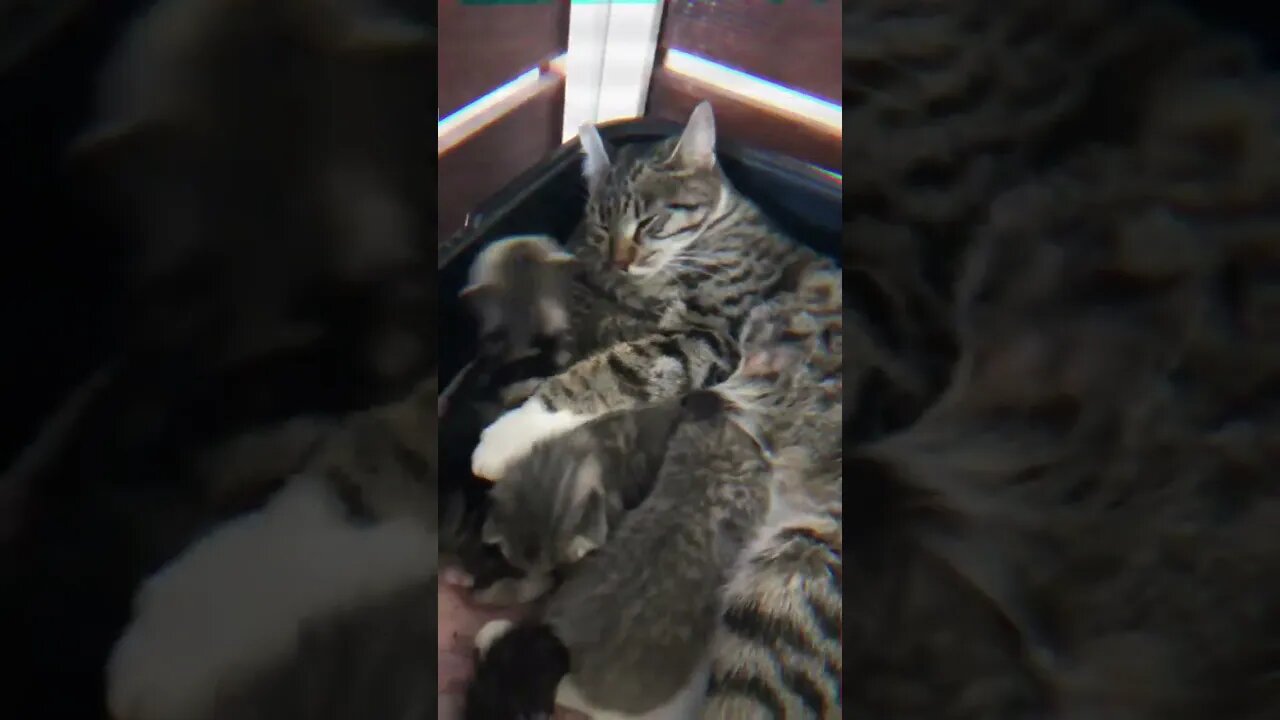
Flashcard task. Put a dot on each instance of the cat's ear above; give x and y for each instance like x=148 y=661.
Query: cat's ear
x=697 y=145
x=595 y=159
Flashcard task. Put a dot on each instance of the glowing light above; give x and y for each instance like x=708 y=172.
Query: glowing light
x=779 y=98
x=484 y=110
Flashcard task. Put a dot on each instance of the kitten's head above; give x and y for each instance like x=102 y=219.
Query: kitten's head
x=789 y=378
x=518 y=290
x=550 y=510
x=649 y=203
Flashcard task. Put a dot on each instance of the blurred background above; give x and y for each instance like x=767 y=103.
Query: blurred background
x=518 y=79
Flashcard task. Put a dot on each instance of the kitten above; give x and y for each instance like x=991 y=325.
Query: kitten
x=518 y=288
x=666 y=236
x=636 y=616
x=564 y=499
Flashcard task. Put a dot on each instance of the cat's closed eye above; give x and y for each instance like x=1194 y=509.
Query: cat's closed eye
x=682 y=207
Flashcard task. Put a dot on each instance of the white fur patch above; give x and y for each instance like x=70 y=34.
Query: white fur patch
x=684 y=705
x=491 y=633
x=230 y=606
x=513 y=435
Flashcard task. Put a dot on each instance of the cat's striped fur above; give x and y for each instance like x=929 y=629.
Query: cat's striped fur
x=777 y=652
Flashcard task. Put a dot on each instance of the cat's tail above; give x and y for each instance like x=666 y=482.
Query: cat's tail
x=777 y=651
x=519 y=670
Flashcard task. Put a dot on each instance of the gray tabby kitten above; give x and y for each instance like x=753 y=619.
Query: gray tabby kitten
x=561 y=501
x=637 y=615
x=670 y=239
x=311 y=582
x=744 y=504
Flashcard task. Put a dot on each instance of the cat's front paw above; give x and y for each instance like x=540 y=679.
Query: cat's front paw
x=514 y=434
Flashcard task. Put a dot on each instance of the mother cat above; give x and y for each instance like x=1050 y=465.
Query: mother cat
x=668 y=237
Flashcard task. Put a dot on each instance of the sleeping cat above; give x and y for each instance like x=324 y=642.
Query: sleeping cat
x=666 y=236
x=748 y=498
x=563 y=500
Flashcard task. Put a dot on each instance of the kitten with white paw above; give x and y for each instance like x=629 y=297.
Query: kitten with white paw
x=561 y=501
x=635 y=615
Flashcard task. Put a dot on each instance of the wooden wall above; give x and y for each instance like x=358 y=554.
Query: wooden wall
x=482 y=47
x=795 y=43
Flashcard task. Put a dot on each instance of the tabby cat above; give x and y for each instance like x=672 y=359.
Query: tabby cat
x=667 y=237
x=777 y=650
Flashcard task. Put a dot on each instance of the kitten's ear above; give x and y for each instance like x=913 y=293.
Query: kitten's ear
x=475 y=291
x=595 y=159
x=588 y=480
x=579 y=547
x=489 y=534
x=593 y=524
x=697 y=145
x=560 y=257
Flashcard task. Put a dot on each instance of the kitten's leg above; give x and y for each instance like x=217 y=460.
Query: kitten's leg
x=684 y=705
x=626 y=375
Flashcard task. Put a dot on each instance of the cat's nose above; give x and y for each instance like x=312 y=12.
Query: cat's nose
x=624 y=254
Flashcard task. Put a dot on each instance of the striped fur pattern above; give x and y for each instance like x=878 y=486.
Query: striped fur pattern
x=777 y=652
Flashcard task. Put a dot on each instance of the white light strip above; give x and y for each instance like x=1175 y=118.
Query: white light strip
x=612 y=44
x=778 y=98
x=484 y=110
